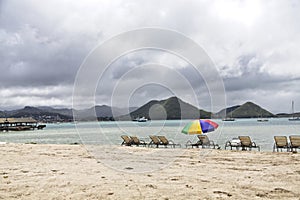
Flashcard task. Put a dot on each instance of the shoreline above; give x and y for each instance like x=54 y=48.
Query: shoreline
x=55 y=171
x=262 y=135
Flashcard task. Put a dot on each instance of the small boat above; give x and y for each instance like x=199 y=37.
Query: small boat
x=140 y=119
x=228 y=119
x=41 y=126
x=293 y=118
x=262 y=120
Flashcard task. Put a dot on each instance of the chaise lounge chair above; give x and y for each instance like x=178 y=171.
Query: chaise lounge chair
x=164 y=141
x=203 y=142
x=136 y=141
x=295 y=142
x=206 y=142
x=247 y=143
x=190 y=144
x=154 y=141
x=234 y=142
x=281 y=142
x=127 y=141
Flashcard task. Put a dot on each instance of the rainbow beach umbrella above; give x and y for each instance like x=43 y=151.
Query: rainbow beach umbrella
x=200 y=126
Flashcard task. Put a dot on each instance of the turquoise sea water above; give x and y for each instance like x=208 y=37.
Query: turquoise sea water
x=109 y=132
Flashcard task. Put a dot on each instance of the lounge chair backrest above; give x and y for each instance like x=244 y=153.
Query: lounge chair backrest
x=204 y=139
x=135 y=139
x=154 y=139
x=281 y=141
x=163 y=140
x=295 y=140
x=245 y=141
x=126 y=139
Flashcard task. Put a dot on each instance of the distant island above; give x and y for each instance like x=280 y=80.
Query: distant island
x=173 y=109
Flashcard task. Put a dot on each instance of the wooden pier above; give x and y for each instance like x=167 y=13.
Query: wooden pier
x=19 y=124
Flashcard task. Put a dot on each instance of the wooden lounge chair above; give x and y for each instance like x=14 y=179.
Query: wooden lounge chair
x=233 y=143
x=136 y=141
x=154 y=141
x=295 y=142
x=281 y=142
x=190 y=144
x=203 y=142
x=127 y=141
x=206 y=142
x=164 y=141
x=247 y=143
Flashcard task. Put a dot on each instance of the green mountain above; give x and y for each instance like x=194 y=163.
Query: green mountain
x=171 y=108
x=49 y=114
x=249 y=110
x=38 y=114
x=226 y=112
x=288 y=115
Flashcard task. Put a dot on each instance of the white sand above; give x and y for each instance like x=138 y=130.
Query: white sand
x=70 y=172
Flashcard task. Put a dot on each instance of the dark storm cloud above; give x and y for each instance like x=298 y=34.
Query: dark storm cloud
x=251 y=83
x=254 y=44
x=247 y=74
x=31 y=59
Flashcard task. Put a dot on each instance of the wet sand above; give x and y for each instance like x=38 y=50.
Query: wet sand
x=29 y=171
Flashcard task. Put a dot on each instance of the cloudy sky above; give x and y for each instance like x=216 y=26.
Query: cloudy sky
x=254 y=45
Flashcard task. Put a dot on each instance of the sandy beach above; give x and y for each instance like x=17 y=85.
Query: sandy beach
x=35 y=171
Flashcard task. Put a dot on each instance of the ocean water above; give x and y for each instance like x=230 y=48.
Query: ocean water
x=109 y=132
